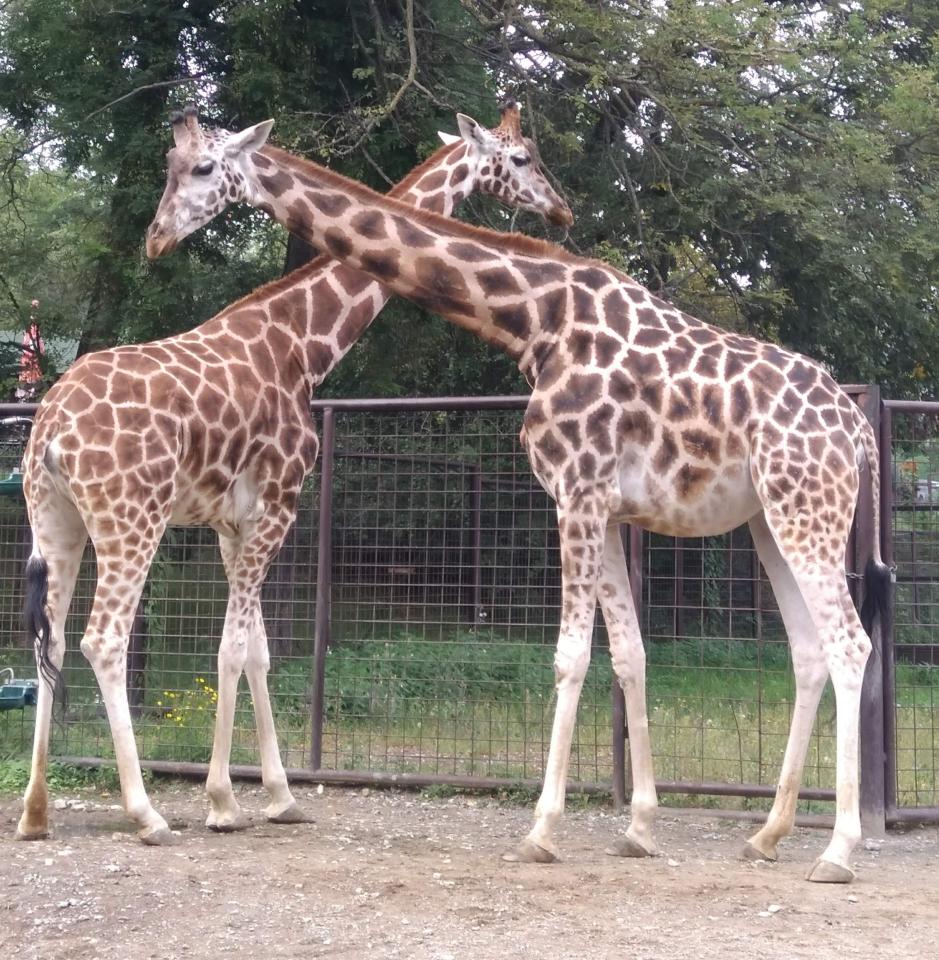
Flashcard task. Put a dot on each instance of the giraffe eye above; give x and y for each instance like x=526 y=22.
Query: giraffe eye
x=521 y=161
x=204 y=168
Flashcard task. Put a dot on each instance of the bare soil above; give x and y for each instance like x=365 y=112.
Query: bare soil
x=384 y=874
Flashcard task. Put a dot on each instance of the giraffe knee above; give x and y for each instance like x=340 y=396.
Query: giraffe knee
x=105 y=650
x=571 y=662
x=232 y=654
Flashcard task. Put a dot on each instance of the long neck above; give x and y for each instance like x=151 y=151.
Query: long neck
x=344 y=302
x=504 y=288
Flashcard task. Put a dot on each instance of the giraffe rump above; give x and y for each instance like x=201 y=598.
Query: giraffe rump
x=38 y=628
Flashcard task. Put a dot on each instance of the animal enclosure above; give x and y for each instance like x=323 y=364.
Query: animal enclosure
x=413 y=613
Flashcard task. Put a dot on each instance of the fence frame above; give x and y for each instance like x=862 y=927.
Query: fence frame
x=878 y=795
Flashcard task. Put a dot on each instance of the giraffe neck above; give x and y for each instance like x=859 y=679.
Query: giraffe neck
x=505 y=288
x=344 y=302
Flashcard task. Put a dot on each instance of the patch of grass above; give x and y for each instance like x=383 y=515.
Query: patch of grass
x=61 y=777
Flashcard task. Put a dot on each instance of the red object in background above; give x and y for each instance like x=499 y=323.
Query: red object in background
x=33 y=348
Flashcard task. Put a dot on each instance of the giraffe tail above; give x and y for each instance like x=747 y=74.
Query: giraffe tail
x=36 y=621
x=877 y=575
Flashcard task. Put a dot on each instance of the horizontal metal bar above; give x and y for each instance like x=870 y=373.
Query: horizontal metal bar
x=384 y=779
x=912 y=815
x=913 y=406
x=18 y=409
x=403 y=404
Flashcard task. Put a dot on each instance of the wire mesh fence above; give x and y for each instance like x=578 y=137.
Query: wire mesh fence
x=422 y=579
x=914 y=474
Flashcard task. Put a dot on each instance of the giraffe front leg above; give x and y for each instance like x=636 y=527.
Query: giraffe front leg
x=282 y=808
x=581 y=549
x=225 y=814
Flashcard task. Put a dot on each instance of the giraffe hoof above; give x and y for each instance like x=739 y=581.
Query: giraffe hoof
x=824 y=871
x=752 y=852
x=630 y=847
x=529 y=852
x=228 y=824
x=292 y=814
x=161 y=837
x=24 y=833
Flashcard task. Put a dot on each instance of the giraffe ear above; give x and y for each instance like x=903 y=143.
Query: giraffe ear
x=472 y=132
x=448 y=138
x=249 y=140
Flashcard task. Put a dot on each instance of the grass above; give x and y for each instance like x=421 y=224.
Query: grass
x=61 y=777
x=479 y=705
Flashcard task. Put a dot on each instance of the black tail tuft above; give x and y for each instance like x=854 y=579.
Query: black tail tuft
x=877 y=578
x=38 y=628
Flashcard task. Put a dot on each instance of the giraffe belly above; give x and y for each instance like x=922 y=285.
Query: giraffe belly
x=225 y=510
x=686 y=502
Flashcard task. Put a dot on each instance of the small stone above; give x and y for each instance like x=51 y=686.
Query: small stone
x=673 y=863
x=365 y=791
x=852 y=898
x=78 y=806
x=764 y=913
x=111 y=868
x=60 y=804
x=774 y=908
x=320 y=790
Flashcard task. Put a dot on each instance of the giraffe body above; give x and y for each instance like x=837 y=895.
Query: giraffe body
x=210 y=427
x=638 y=413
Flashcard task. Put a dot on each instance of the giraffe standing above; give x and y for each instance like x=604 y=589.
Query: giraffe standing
x=639 y=414
x=210 y=427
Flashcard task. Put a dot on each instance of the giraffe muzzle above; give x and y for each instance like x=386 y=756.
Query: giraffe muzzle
x=158 y=243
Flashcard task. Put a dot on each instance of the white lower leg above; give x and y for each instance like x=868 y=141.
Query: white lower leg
x=109 y=660
x=570 y=664
x=810 y=671
x=34 y=822
x=224 y=812
x=629 y=665
x=847 y=830
x=781 y=818
x=272 y=768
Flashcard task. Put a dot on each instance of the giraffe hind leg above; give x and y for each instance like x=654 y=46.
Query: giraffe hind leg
x=120 y=583
x=811 y=672
x=845 y=648
x=60 y=538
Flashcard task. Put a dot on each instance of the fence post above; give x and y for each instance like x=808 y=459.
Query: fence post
x=322 y=623
x=872 y=753
x=886 y=628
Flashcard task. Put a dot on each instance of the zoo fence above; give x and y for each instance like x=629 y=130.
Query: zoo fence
x=413 y=611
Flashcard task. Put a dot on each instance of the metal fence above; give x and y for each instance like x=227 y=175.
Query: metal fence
x=413 y=612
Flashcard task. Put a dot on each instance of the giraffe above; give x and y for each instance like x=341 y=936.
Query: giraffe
x=210 y=427
x=638 y=413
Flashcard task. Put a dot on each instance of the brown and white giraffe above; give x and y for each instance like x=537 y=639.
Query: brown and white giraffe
x=640 y=414
x=211 y=427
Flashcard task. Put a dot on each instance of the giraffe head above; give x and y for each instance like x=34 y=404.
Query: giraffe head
x=206 y=170
x=509 y=166
x=209 y=169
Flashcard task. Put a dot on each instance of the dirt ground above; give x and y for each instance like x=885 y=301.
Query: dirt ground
x=383 y=874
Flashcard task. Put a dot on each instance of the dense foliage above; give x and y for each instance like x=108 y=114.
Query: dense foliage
x=769 y=165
